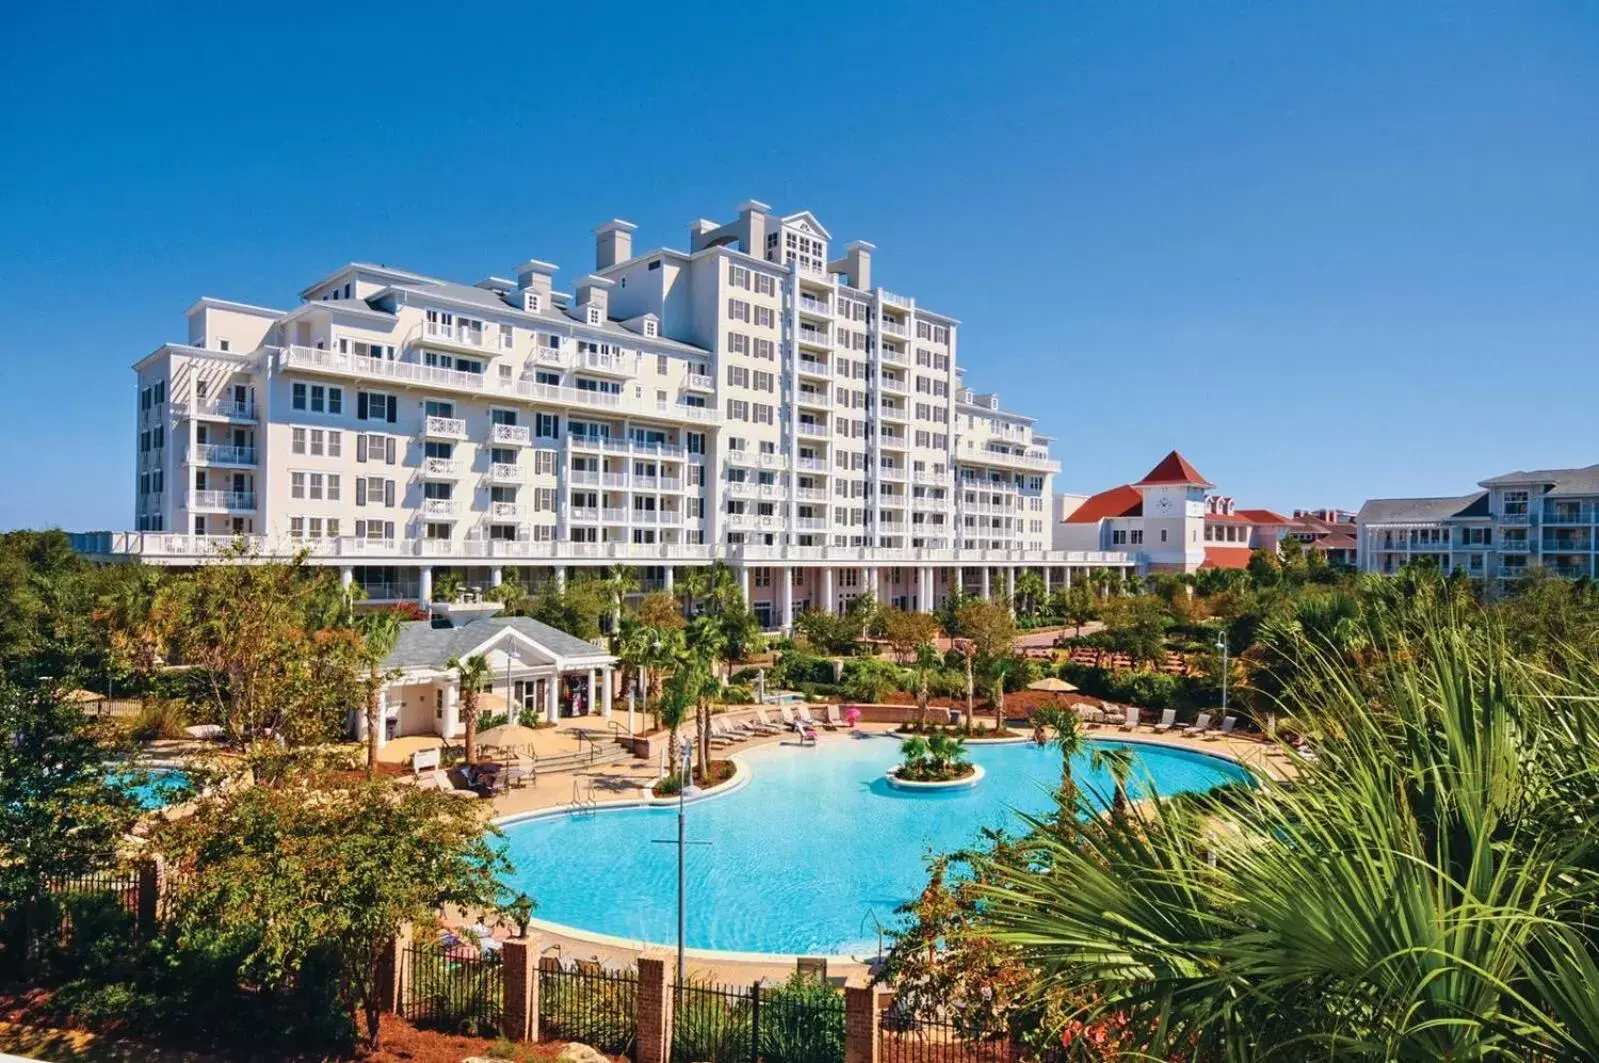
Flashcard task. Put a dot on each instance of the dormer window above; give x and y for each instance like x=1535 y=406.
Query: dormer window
x=531 y=302
x=649 y=328
x=594 y=316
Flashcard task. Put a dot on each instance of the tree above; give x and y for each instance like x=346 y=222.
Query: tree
x=1118 y=761
x=60 y=813
x=1137 y=627
x=659 y=610
x=907 y=632
x=448 y=587
x=510 y=593
x=989 y=626
x=129 y=613
x=704 y=642
x=680 y=696
x=1031 y=596
x=473 y=675
x=278 y=884
x=620 y=581
x=1065 y=733
x=1079 y=606
x=270 y=641
x=650 y=650
x=47 y=637
x=575 y=610
x=380 y=632
x=927 y=659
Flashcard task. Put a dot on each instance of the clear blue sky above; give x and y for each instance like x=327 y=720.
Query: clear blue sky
x=1329 y=251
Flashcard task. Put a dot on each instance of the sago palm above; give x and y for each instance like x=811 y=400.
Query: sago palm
x=473 y=673
x=380 y=631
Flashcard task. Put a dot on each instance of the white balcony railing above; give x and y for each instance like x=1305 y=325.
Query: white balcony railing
x=222 y=454
x=893 y=357
x=587 y=514
x=896 y=300
x=441 y=468
x=813 y=366
x=643 y=516
x=505 y=472
x=516 y=435
x=507 y=510
x=584 y=476
x=614 y=516
x=894 y=328
x=819 y=336
x=646 y=483
x=444 y=427
x=815 y=306
x=440 y=507
x=896 y=386
x=614 y=479
x=228 y=500
x=225 y=408
x=699 y=382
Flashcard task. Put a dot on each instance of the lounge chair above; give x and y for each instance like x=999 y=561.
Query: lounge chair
x=1199 y=726
x=830 y=717
x=806 y=717
x=720 y=735
x=1226 y=728
x=1168 y=720
x=1132 y=720
x=765 y=726
x=439 y=779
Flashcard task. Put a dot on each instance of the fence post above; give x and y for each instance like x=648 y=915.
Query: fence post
x=862 y=1019
x=755 y=1020
x=519 y=975
x=391 y=972
x=152 y=883
x=653 y=1017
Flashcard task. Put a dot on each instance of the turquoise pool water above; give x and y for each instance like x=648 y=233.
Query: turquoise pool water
x=806 y=855
x=155 y=787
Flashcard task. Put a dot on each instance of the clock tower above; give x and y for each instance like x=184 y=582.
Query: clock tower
x=1173 y=513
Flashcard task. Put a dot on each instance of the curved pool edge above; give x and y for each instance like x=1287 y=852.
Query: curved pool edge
x=745 y=774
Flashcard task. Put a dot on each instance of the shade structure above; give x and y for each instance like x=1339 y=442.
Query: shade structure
x=508 y=736
x=1053 y=685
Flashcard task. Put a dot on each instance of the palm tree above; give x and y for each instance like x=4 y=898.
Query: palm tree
x=1423 y=889
x=380 y=631
x=678 y=697
x=620 y=581
x=927 y=659
x=1066 y=735
x=133 y=613
x=510 y=593
x=474 y=675
x=998 y=672
x=704 y=644
x=650 y=650
x=1118 y=761
x=448 y=587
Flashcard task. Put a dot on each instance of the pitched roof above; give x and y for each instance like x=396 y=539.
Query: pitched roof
x=1121 y=501
x=1264 y=516
x=421 y=645
x=1333 y=541
x=1229 y=518
x=1226 y=557
x=1174 y=469
x=1587 y=475
x=1422 y=510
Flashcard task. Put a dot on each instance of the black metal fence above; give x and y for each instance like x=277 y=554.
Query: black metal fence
x=798 y=1021
x=47 y=936
x=453 y=990
x=583 y=1003
x=905 y=1039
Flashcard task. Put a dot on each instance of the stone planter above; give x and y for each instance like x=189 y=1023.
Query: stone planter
x=965 y=782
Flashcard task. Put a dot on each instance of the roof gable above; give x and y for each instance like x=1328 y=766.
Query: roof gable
x=1121 y=501
x=1174 y=469
x=806 y=221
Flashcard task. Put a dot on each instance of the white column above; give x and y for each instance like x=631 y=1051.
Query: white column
x=424 y=586
x=605 y=689
x=666 y=584
x=1068 y=577
x=1049 y=580
x=828 y=600
x=1010 y=582
x=560 y=577
x=496 y=576
x=383 y=718
x=452 y=708
x=552 y=711
x=593 y=683
x=924 y=589
x=346 y=576
x=786 y=621
x=986 y=589
x=869 y=581
x=744 y=582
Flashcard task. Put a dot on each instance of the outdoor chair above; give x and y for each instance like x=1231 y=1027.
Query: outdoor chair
x=1132 y=720
x=1168 y=720
x=830 y=717
x=521 y=768
x=719 y=735
x=1226 y=728
x=1199 y=726
x=764 y=725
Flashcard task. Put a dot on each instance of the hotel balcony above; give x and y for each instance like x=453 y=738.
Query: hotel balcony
x=809 y=524
x=462 y=338
x=896 y=300
x=892 y=473
x=583 y=477
x=811 y=430
x=223 y=454
x=895 y=386
x=814 y=367
x=810 y=494
x=893 y=357
x=613 y=516
x=444 y=428
x=511 y=435
x=491 y=387
x=815 y=307
x=890 y=328
x=608 y=363
x=1514 y=518
x=441 y=469
x=1567 y=544
x=223 y=501
x=815 y=337
x=507 y=511
x=584 y=514
x=216 y=410
x=810 y=464
x=932 y=479
x=894 y=412
x=814 y=397
x=699 y=382
x=1582 y=514
x=440 y=507
x=671 y=517
x=504 y=472
x=1510 y=546
x=756 y=459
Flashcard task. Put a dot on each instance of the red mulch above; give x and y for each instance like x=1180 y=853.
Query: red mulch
x=403 y=1043
x=1021 y=703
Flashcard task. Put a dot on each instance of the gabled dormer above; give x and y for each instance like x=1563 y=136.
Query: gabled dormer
x=646 y=325
x=535 y=283
x=592 y=304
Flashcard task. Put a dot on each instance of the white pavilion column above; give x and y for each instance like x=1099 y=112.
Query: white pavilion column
x=1010 y=582
x=605 y=689
x=560 y=577
x=346 y=576
x=828 y=600
x=496 y=576
x=869 y=581
x=594 y=679
x=452 y=708
x=786 y=621
x=424 y=586
x=552 y=708
x=986 y=591
x=383 y=718
x=924 y=589
x=1049 y=580
x=744 y=582
x=666 y=582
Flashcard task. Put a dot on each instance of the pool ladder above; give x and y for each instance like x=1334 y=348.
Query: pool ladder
x=584 y=803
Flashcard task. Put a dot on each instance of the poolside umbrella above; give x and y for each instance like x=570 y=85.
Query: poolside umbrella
x=508 y=736
x=1052 y=685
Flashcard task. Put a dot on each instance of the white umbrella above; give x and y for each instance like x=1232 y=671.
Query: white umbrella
x=1052 y=685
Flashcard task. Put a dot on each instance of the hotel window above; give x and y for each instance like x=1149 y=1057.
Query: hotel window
x=737 y=343
x=765 y=285
x=762 y=381
x=296 y=485
x=298 y=400
x=1162 y=534
x=764 y=317
x=738 y=376
x=297 y=441
x=1118 y=537
x=763 y=413
x=738 y=276
x=738 y=410
x=738 y=310
x=765 y=349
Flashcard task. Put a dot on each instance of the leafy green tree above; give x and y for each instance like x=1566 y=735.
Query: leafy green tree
x=871 y=680
x=448 y=587
x=1031 y=597
x=576 y=610
x=649 y=650
x=380 y=633
x=680 y=697
x=473 y=675
x=705 y=643
x=1080 y=607
x=1061 y=728
x=47 y=636
x=1137 y=627
x=907 y=631
x=274 y=886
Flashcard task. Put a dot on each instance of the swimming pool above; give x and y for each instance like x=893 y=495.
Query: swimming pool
x=803 y=858
x=153 y=787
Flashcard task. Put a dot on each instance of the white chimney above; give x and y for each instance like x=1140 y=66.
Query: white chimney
x=613 y=243
x=534 y=281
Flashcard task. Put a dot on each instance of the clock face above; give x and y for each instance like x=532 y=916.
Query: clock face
x=1164 y=505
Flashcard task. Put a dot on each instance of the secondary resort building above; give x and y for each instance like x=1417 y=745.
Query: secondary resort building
x=1170 y=519
x=754 y=398
x=1544 y=518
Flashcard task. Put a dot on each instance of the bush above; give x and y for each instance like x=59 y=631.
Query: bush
x=871 y=680
x=738 y=694
x=796 y=668
x=802 y=1021
x=157 y=718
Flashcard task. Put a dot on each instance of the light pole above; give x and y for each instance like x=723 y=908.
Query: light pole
x=686 y=770
x=1221 y=644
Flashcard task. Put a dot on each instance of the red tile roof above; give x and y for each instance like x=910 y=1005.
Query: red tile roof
x=1120 y=501
x=1263 y=516
x=1174 y=469
x=1229 y=518
x=1334 y=541
x=1226 y=557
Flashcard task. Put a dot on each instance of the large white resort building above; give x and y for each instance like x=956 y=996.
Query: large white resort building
x=1520 y=521
x=752 y=399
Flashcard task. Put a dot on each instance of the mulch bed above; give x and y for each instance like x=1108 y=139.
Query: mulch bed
x=721 y=772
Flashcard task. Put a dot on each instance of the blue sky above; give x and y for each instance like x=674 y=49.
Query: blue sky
x=1329 y=251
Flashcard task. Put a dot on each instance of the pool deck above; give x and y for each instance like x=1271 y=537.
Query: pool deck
x=628 y=781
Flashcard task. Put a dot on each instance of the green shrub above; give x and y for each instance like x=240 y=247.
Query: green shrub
x=871 y=680
x=598 y=1012
x=795 y=669
x=738 y=694
x=802 y=1021
x=158 y=718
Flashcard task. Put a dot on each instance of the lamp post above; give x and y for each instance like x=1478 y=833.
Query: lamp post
x=1221 y=644
x=686 y=768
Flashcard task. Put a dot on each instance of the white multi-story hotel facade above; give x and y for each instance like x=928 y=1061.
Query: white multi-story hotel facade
x=1543 y=518
x=751 y=400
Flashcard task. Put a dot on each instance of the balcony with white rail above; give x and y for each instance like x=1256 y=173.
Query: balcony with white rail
x=504 y=472
x=1513 y=546
x=894 y=412
x=584 y=477
x=610 y=363
x=815 y=397
x=892 y=473
x=479 y=384
x=440 y=468
x=757 y=459
x=444 y=428
x=811 y=430
x=223 y=454
x=669 y=483
x=812 y=367
x=896 y=300
x=511 y=435
x=507 y=511
x=216 y=409
x=440 y=507
x=895 y=386
x=816 y=337
x=643 y=516
x=584 y=514
x=810 y=464
x=893 y=357
x=815 y=307
x=699 y=382
x=1571 y=514
x=810 y=494
x=810 y=524
x=671 y=517
x=229 y=501
x=892 y=328
x=465 y=337
x=613 y=516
